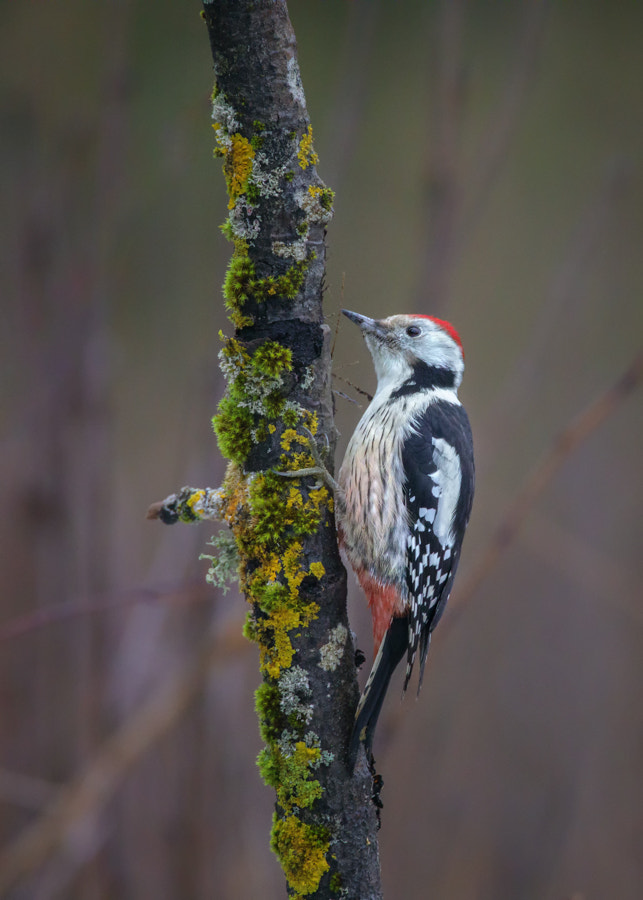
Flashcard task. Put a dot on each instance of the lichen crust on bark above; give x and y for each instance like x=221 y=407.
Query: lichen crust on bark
x=278 y=399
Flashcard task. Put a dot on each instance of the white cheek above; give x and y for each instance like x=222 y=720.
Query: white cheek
x=391 y=369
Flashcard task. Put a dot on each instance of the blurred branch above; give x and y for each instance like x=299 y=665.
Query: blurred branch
x=24 y=790
x=88 y=793
x=578 y=430
x=594 y=570
x=70 y=609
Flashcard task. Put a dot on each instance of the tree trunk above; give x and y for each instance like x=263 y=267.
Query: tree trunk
x=278 y=398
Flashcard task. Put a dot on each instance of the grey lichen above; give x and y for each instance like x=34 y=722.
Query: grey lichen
x=224 y=566
x=316 y=202
x=295 y=85
x=224 y=115
x=294 y=690
x=264 y=178
x=330 y=654
x=296 y=250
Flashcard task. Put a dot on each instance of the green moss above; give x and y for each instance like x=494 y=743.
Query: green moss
x=272 y=359
x=301 y=850
x=289 y=772
x=290 y=418
x=249 y=631
x=279 y=507
x=270 y=516
x=226 y=230
x=269 y=595
x=239 y=278
x=241 y=283
x=327 y=198
x=286 y=285
x=253 y=194
x=267 y=705
x=233 y=428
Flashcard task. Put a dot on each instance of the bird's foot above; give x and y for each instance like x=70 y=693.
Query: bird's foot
x=319 y=469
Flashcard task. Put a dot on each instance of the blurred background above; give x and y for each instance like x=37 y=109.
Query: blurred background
x=487 y=159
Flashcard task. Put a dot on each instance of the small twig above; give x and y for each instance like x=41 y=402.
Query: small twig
x=339 y=316
x=563 y=446
x=344 y=396
x=359 y=390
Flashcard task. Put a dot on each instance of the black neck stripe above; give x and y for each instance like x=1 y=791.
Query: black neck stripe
x=425 y=378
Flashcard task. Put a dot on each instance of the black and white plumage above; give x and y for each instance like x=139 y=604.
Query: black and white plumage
x=407 y=484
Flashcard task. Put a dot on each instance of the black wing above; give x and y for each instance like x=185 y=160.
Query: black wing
x=438 y=465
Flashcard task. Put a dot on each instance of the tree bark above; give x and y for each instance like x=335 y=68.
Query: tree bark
x=278 y=370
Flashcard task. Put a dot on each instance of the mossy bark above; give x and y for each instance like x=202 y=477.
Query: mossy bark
x=325 y=828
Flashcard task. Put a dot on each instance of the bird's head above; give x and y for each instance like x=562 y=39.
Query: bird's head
x=407 y=347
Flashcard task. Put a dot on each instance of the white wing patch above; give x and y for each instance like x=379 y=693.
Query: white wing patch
x=447 y=480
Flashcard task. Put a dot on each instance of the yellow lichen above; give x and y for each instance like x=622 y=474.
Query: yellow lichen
x=196 y=496
x=292 y=568
x=311 y=421
x=277 y=653
x=239 y=155
x=288 y=436
x=317 y=569
x=306 y=155
x=302 y=850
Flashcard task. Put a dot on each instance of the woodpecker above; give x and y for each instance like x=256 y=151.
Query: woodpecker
x=406 y=487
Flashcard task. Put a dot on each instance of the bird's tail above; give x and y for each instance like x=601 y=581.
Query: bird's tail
x=392 y=649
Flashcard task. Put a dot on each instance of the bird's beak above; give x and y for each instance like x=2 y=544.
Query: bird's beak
x=368 y=326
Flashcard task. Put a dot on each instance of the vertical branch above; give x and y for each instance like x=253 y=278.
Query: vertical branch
x=278 y=396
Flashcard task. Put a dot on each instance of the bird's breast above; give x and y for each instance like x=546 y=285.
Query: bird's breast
x=374 y=519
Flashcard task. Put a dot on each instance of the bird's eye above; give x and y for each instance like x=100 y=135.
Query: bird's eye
x=413 y=330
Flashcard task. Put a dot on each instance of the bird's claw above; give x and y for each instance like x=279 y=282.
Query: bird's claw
x=319 y=469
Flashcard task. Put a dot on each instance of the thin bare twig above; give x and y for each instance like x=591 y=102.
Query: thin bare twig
x=339 y=316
